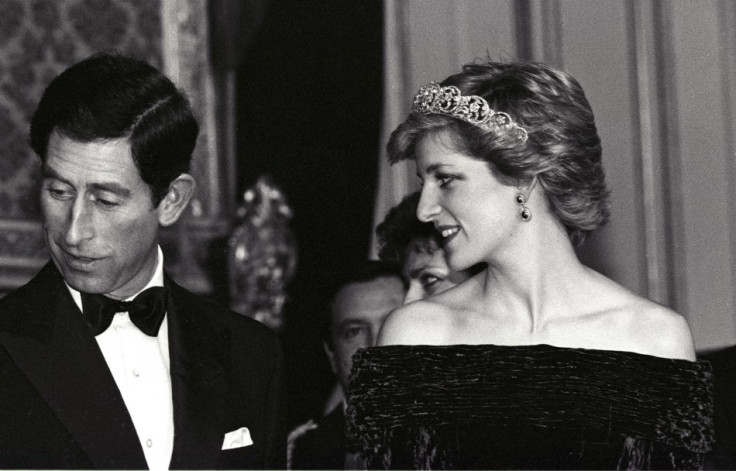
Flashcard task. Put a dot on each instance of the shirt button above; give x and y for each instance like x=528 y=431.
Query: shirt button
x=136 y=373
x=149 y=443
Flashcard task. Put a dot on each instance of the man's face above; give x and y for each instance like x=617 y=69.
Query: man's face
x=358 y=311
x=99 y=220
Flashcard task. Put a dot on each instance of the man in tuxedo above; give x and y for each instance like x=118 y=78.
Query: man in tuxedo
x=359 y=303
x=163 y=379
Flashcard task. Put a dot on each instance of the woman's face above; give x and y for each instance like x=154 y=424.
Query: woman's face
x=427 y=272
x=474 y=212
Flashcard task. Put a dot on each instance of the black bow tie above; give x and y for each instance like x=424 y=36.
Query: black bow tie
x=146 y=310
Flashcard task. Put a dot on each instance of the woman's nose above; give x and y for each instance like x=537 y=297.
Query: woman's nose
x=427 y=208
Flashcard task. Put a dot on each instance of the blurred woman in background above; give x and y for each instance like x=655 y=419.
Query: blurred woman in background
x=414 y=246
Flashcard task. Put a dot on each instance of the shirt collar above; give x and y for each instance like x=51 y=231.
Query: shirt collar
x=156 y=280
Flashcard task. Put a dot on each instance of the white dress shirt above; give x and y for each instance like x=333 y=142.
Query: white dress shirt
x=140 y=366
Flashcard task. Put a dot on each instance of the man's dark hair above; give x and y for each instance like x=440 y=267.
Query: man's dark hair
x=109 y=96
x=361 y=272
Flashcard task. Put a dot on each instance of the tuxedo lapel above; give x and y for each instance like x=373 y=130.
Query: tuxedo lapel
x=198 y=354
x=50 y=341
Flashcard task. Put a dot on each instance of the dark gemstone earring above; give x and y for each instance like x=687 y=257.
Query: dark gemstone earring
x=526 y=213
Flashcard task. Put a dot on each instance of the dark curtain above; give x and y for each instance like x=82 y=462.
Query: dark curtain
x=309 y=87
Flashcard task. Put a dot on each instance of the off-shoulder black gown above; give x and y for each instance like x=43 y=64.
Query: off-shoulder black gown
x=528 y=407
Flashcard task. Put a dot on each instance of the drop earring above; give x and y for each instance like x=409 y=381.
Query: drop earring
x=524 y=212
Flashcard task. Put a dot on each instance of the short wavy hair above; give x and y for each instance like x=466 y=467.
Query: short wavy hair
x=110 y=96
x=563 y=149
x=400 y=228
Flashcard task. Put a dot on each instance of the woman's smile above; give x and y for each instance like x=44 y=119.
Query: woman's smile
x=448 y=233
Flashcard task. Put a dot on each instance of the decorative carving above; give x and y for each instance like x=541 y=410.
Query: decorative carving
x=262 y=254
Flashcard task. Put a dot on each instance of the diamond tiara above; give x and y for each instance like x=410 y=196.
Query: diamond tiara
x=449 y=101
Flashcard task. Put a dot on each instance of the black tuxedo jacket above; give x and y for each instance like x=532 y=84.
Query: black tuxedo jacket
x=60 y=406
x=323 y=447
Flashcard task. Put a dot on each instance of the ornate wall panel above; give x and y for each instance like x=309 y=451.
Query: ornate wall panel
x=194 y=247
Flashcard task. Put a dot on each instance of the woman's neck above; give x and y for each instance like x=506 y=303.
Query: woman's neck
x=535 y=279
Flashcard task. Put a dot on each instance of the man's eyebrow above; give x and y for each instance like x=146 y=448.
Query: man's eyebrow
x=48 y=172
x=111 y=187
x=350 y=321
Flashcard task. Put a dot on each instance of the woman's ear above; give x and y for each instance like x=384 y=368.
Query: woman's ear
x=526 y=190
x=176 y=199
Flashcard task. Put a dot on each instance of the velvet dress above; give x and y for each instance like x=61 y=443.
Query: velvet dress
x=528 y=407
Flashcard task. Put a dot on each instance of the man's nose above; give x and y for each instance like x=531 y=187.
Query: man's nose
x=427 y=208
x=79 y=225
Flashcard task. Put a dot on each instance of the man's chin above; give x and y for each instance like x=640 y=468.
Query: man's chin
x=84 y=282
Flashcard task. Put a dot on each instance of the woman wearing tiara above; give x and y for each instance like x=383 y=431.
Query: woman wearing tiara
x=537 y=362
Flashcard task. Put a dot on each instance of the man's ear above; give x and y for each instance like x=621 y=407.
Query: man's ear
x=176 y=199
x=330 y=356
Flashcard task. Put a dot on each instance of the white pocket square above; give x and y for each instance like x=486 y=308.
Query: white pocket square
x=237 y=439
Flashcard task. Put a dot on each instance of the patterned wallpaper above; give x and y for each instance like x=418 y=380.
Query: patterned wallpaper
x=39 y=39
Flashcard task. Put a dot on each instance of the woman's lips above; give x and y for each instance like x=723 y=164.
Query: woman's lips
x=448 y=233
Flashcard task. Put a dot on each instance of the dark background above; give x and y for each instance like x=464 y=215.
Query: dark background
x=309 y=89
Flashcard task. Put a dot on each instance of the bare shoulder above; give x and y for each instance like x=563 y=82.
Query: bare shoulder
x=624 y=320
x=659 y=331
x=419 y=323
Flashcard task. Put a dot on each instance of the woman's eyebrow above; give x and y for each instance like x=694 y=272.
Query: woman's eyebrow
x=433 y=168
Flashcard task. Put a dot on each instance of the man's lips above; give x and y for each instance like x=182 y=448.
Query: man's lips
x=79 y=260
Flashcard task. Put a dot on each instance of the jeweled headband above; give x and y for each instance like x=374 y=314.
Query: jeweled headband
x=449 y=101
